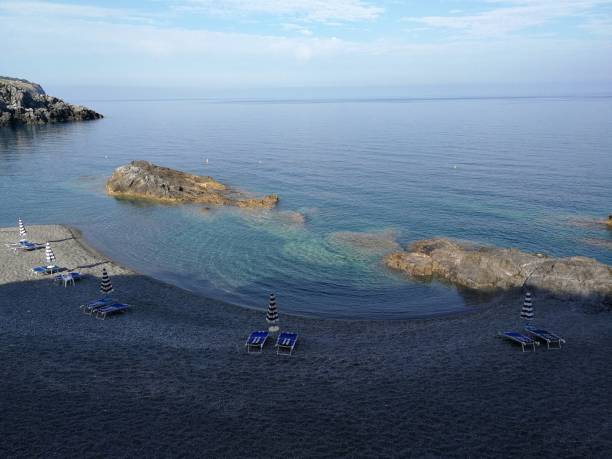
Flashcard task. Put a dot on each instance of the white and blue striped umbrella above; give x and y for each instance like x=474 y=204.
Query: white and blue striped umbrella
x=23 y=233
x=527 y=309
x=105 y=285
x=272 y=315
x=49 y=255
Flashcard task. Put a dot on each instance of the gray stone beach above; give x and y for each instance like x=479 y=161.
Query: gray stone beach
x=172 y=378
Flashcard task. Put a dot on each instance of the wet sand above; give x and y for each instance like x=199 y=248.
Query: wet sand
x=171 y=378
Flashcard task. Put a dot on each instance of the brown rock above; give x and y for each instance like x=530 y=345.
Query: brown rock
x=490 y=268
x=141 y=179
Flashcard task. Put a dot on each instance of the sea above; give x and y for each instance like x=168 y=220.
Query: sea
x=357 y=178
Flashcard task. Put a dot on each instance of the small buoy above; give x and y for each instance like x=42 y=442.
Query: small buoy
x=455 y=167
x=206 y=160
x=106 y=156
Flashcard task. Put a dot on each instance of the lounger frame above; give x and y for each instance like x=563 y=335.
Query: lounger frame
x=547 y=336
x=259 y=345
x=533 y=343
x=104 y=312
x=45 y=270
x=283 y=349
x=89 y=308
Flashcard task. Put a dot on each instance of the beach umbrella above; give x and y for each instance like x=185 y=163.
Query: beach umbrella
x=527 y=309
x=272 y=315
x=105 y=285
x=23 y=233
x=49 y=255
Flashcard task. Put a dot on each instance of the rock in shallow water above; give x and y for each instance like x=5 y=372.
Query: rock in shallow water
x=490 y=268
x=142 y=179
x=374 y=242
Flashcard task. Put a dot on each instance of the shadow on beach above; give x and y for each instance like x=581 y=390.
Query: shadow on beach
x=171 y=378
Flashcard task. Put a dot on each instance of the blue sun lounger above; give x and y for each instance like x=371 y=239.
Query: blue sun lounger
x=26 y=246
x=256 y=340
x=285 y=343
x=90 y=307
x=45 y=269
x=524 y=340
x=545 y=335
x=105 y=311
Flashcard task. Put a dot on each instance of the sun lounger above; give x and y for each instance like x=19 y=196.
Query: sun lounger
x=104 y=312
x=96 y=304
x=524 y=340
x=45 y=269
x=24 y=246
x=285 y=343
x=27 y=247
x=12 y=245
x=545 y=335
x=256 y=340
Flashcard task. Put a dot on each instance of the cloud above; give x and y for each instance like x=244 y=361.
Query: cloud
x=75 y=11
x=512 y=16
x=297 y=28
x=70 y=43
x=309 y=10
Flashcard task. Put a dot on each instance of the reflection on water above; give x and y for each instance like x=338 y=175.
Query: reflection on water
x=356 y=180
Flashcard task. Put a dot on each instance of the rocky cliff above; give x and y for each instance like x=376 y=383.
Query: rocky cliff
x=490 y=268
x=142 y=179
x=23 y=102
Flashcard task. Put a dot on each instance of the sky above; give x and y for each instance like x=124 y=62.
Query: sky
x=309 y=43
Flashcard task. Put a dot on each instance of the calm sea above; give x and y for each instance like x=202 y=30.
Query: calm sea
x=530 y=173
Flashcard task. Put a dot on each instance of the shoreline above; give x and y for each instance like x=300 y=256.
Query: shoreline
x=494 y=300
x=174 y=372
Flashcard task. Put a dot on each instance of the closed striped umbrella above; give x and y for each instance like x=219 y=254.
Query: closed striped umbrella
x=105 y=285
x=49 y=255
x=23 y=233
x=527 y=309
x=272 y=315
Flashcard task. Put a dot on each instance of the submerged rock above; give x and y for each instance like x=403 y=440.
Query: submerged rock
x=292 y=217
x=490 y=268
x=604 y=243
x=142 y=179
x=23 y=102
x=375 y=242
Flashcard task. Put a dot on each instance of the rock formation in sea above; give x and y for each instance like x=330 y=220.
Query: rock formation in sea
x=23 y=102
x=490 y=268
x=142 y=179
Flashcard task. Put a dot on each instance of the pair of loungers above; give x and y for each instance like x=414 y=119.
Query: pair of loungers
x=285 y=343
x=24 y=246
x=51 y=269
x=104 y=307
x=530 y=341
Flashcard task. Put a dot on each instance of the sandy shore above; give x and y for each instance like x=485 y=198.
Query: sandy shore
x=171 y=378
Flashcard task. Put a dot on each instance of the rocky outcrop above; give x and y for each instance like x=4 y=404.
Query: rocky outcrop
x=609 y=221
x=142 y=179
x=23 y=102
x=490 y=268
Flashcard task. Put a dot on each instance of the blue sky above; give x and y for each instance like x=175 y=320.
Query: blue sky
x=295 y=43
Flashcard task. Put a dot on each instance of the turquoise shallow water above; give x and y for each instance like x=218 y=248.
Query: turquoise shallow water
x=528 y=173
